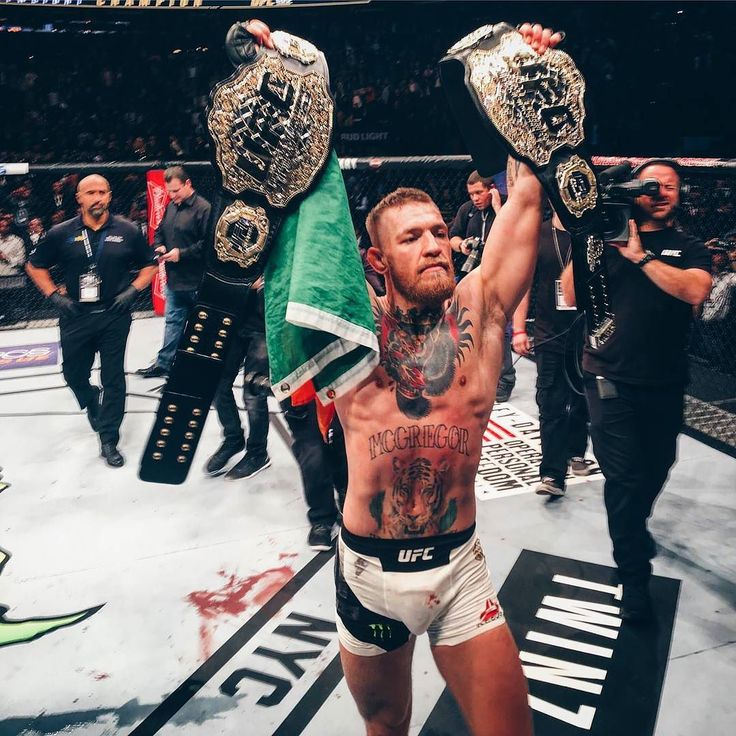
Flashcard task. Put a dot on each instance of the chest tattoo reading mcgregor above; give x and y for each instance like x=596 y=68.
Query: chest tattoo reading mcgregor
x=416 y=504
x=420 y=352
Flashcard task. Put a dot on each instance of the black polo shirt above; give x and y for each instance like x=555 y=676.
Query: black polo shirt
x=184 y=227
x=649 y=346
x=551 y=324
x=118 y=248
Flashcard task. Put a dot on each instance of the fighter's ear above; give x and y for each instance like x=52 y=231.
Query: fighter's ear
x=376 y=260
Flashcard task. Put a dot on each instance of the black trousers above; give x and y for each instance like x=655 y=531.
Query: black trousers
x=563 y=414
x=313 y=456
x=635 y=441
x=97 y=331
x=251 y=348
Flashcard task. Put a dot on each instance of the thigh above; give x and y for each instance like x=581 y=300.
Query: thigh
x=112 y=338
x=485 y=677
x=381 y=685
x=78 y=343
x=551 y=386
x=616 y=431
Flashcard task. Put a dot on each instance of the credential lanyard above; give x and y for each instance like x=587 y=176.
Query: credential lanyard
x=92 y=259
x=568 y=256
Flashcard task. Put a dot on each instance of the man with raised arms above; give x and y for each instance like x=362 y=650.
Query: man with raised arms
x=408 y=558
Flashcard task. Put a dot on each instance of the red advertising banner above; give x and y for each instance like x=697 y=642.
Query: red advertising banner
x=157 y=198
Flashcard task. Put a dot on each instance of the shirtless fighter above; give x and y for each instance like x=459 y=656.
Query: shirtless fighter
x=408 y=558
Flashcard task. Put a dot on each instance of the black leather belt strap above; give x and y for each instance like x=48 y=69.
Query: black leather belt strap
x=270 y=124
x=499 y=87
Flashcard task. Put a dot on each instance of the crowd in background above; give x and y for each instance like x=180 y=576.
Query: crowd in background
x=138 y=93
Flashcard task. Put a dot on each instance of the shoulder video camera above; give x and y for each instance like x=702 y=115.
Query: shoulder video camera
x=619 y=189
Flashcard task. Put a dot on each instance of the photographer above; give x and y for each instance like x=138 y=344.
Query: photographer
x=635 y=382
x=468 y=233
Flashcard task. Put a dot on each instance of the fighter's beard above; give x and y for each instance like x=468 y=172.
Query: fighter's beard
x=427 y=293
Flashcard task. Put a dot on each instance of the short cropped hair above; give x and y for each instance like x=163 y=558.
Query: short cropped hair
x=398 y=198
x=476 y=178
x=176 y=172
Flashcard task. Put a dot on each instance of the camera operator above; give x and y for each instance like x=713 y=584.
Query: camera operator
x=468 y=234
x=635 y=382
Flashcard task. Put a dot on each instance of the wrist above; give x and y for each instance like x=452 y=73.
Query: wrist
x=518 y=332
x=647 y=257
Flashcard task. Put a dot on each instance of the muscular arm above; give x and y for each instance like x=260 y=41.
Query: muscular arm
x=510 y=253
x=691 y=285
x=41 y=277
x=144 y=277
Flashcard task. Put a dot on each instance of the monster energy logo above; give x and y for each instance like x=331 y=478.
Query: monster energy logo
x=380 y=631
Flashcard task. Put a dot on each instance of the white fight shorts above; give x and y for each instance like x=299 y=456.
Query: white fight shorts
x=391 y=589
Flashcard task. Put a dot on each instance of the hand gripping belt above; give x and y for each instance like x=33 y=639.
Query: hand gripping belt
x=270 y=124
x=498 y=87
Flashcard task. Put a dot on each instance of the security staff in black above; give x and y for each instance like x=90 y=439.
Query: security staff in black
x=97 y=252
x=635 y=383
x=558 y=342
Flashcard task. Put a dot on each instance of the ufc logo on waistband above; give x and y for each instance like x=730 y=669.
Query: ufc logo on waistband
x=412 y=555
x=671 y=252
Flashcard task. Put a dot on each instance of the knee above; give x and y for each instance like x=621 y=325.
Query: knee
x=382 y=719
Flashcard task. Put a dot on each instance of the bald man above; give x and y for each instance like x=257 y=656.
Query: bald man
x=96 y=252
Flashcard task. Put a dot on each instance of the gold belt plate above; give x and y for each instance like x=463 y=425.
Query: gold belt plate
x=271 y=128
x=535 y=102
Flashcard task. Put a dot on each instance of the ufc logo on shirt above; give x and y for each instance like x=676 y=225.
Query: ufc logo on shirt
x=412 y=555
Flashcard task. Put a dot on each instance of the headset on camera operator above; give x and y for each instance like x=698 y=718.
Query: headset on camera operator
x=635 y=382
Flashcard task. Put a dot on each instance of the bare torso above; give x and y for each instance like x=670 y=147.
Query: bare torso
x=413 y=429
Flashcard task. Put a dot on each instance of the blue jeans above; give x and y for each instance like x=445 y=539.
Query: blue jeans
x=178 y=306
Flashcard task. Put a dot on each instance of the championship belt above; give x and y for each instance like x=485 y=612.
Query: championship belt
x=270 y=125
x=499 y=87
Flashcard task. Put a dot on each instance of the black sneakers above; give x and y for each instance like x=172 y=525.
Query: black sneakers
x=320 y=537
x=249 y=466
x=503 y=393
x=216 y=464
x=636 y=607
x=153 y=371
x=111 y=454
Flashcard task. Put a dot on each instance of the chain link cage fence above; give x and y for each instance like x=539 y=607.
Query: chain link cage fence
x=34 y=202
